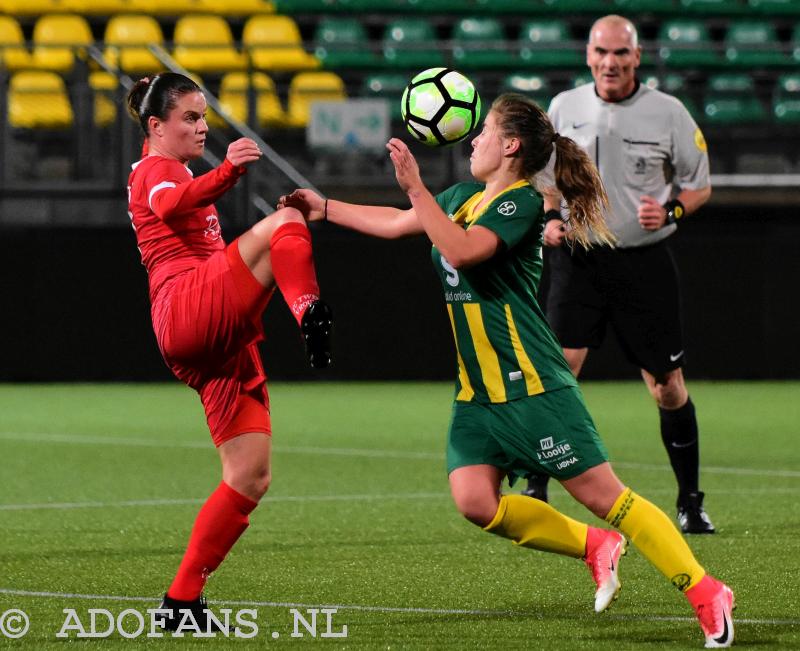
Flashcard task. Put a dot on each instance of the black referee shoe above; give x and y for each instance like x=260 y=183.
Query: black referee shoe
x=537 y=487
x=197 y=607
x=691 y=515
x=316 y=326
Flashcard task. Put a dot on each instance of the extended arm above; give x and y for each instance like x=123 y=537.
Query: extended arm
x=461 y=248
x=169 y=199
x=379 y=221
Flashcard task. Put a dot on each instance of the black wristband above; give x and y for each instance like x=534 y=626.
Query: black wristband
x=553 y=214
x=675 y=211
x=325 y=211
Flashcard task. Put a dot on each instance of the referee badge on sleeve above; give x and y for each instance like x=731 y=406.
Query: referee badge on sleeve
x=699 y=140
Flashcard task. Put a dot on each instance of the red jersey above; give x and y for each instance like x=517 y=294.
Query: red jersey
x=174 y=216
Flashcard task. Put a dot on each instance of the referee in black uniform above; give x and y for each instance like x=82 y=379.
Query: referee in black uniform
x=653 y=161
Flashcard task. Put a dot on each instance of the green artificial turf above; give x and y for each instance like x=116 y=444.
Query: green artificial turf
x=101 y=484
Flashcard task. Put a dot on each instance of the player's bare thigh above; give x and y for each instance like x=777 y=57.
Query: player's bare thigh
x=246 y=463
x=254 y=244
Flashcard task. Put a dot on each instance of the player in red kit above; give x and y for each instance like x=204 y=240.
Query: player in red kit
x=207 y=299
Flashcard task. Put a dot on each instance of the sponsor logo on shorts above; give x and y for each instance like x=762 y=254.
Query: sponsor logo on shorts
x=560 y=450
x=566 y=463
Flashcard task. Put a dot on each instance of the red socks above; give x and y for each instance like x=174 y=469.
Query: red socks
x=218 y=526
x=293 y=267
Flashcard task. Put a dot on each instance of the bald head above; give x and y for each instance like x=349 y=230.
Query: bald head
x=616 y=24
x=613 y=54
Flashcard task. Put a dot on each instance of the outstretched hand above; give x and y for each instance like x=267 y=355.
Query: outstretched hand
x=405 y=165
x=307 y=202
x=243 y=152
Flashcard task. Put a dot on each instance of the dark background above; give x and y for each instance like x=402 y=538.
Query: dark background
x=75 y=307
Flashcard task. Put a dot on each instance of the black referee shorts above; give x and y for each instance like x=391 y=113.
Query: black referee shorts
x=634 y=290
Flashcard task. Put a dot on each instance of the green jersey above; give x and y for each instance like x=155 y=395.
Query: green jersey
x=504 y=346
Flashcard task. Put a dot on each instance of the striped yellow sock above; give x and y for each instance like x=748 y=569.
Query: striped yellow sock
x=533 y=523
x=656 y=537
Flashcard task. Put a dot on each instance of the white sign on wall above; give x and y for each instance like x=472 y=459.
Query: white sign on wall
x=351 y=125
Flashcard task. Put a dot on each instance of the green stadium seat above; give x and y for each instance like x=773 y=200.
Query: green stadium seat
x=786 y=99
x=342 y=43
x=479 y=43
x=530 y=7
x=536 y=87
x=673 y=84
x=753 y=44
x=580 y=79
x=378 y=6
x=730 y=99
x=775 y=7
x=444 y=7
x=547 y=44
x=687 y=44
x=291 y=7
x=411 y=43
x=645 y=6
x=388 y=86
x=713 y=7
x=572 y=7
x=795 y=43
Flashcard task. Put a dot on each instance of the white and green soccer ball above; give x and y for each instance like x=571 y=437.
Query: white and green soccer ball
x=440 y=106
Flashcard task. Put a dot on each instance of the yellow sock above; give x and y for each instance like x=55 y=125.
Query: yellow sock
x=656 y=537
x=533 y=523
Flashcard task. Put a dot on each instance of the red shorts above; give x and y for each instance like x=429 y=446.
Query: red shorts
x=207 y=322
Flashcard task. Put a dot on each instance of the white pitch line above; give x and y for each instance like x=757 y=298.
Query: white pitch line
x=34 y=437
x=179 y=502
x=41 y=506
x=383 y=609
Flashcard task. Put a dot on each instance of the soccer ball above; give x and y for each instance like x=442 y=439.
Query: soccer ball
x=440 y=106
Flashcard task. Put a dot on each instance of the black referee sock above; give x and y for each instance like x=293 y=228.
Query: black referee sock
x=680 y=437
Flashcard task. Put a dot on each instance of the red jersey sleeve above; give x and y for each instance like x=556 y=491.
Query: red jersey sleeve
x=171 y=192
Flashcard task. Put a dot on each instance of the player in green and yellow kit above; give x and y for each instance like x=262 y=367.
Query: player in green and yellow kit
x=517 y=409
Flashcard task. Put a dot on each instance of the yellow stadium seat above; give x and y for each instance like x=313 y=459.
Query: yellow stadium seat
x=309 y=87
x=138 y=31
x=233 y=92
x=104 y=85
x=237 y=7
x=204 y=43
x=31 y=7
x=96 y=7
x=56 y=38
x=274 y=44
x=13 y=53
x=38 y=100
x=164 y=7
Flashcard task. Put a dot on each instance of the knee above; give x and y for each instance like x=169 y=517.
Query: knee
x=478 y=509
x=669 y=391
x=251 y=482
x=265 y=228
